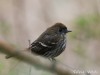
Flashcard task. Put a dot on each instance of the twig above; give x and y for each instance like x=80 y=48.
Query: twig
x=35 y=60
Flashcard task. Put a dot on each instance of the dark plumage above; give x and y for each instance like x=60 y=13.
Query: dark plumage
x=51 y=42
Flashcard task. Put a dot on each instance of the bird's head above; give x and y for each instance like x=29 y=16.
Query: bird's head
x=61 y=28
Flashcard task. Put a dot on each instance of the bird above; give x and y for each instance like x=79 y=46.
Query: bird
x=52 y=42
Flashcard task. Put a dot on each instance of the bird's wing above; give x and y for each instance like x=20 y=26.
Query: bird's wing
x=44 y=43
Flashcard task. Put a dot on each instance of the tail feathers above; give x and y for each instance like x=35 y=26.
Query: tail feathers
x=8 y=56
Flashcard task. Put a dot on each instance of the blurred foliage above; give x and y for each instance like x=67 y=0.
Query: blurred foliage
x=1 y=66
x=4 y=28
x=79 y=50
x=87 y=27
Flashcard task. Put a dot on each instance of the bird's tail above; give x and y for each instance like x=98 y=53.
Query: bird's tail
x=10 y=56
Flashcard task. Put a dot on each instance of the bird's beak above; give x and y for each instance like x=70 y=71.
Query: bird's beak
x=69 y=31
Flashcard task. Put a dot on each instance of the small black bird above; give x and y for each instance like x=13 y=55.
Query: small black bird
x=51 y=42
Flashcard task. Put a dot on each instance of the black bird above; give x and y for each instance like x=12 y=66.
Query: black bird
x=51 y=42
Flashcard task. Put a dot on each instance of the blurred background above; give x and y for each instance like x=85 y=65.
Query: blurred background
x=23 y=20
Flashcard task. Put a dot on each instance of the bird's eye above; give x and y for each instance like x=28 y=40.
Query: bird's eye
x=60 y=30
x=63 y=30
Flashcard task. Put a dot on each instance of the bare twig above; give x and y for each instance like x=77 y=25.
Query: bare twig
x=35 y=60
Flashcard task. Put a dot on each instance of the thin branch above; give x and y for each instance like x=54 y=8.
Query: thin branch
x=35 y=60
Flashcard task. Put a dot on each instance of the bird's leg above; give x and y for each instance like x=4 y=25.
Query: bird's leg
x=52 y=59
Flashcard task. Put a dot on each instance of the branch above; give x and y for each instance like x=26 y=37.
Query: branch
x=34 y=60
